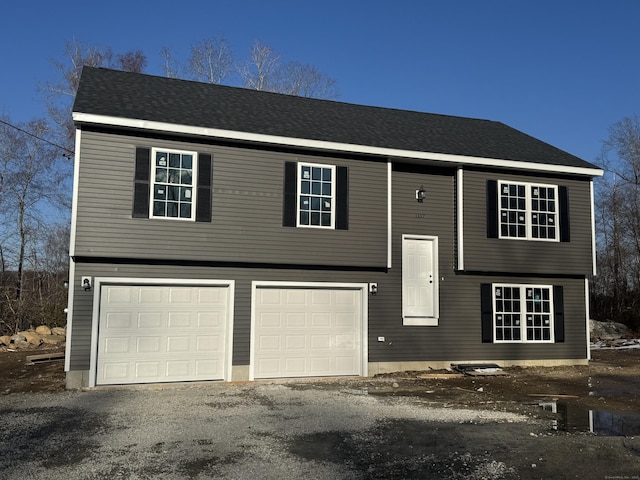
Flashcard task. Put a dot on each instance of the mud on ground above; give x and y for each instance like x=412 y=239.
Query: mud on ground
x=397 y=448
x=611 y=381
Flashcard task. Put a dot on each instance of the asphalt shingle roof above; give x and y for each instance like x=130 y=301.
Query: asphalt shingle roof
x=139 y=96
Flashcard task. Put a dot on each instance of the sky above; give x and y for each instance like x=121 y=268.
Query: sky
x=561 y=71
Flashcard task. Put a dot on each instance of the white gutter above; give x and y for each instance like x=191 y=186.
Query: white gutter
x=330 y=146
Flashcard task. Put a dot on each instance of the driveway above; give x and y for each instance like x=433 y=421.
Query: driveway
x=347 y=429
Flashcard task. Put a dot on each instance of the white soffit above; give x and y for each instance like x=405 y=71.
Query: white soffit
x=324 y=145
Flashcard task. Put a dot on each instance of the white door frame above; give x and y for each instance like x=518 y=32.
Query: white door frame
x=426 y=320
x=98 y=282
x=364 y=318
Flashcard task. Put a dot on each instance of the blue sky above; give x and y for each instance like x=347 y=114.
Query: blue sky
x=562 y=71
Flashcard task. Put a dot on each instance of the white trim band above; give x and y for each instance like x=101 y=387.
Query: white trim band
x=325 y=145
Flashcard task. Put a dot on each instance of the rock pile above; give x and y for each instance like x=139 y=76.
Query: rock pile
x=34 y=338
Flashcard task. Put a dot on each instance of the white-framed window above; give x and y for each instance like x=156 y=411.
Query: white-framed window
x=317 y=187
x=173 y=182
x=523 y=313
x=528 y=211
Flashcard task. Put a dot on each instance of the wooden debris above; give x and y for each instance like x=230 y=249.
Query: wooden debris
x=552 y=395
x=45 y=357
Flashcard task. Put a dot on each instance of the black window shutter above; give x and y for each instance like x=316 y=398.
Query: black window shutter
x=486 y=311
x=558 y=313
x=492 y=209
x=289 y=205
x=564 y=213
x=141 y=183
x=342 y=199
x=203 y=199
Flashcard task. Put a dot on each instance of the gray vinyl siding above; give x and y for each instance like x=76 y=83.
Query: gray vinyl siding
x=83 y=301
x=458 y=335
x=246 y=210
x=482 y=254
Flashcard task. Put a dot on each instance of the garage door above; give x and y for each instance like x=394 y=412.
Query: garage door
x=303 y=332
x=160 y=333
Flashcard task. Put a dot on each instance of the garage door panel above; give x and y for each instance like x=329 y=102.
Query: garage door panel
x=118 y=320
x=307 y=333
x=161 y=334
x=148 y=345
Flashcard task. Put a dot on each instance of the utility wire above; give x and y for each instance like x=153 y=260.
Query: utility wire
x=39 y=138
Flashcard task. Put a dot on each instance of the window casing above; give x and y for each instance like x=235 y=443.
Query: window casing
x=316 y=198
x=173 y=184
x=523 y=313
x=528 y=211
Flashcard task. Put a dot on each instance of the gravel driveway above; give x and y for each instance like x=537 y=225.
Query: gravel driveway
x=259 y=431
x=273 y=431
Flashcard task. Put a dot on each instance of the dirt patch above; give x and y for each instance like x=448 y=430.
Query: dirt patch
x=611 y=381
x=18 y=377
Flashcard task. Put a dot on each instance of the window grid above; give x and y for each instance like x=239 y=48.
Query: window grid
x=543 y=212
x=528 y=211
x=512 y=303
x=172 y=193
x=316 y=199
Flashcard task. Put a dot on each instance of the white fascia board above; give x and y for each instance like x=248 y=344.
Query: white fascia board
x=329 y=146
x=74 y=198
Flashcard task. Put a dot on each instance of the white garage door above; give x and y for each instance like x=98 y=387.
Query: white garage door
x=303 y=332
x=159 y=333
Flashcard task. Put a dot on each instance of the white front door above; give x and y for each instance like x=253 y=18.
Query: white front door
x=419 y=280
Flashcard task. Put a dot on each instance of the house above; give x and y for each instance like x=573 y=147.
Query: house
x=220 y=233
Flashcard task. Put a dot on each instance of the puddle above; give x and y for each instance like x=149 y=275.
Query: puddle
x=573 y=419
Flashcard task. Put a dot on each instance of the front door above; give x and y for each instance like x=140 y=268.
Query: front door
x=419 y=280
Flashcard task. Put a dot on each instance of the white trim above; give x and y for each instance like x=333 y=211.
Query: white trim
x=587 y=308
x=593 y=231
x=326 y=145
x=523 y=312
x=528 y=210
x=424 y=321
x=74 y=198
x=194 y=182
x=334 y=181
x=364 y=290
x=95 y=318
x=460 y=219
x=72 y=283
x=389 y=213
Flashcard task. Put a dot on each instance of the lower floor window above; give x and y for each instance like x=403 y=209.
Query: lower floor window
x=523 y=313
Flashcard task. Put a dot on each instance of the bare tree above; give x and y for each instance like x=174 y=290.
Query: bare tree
x=617 y=286
x=257 y=73
x=170 y=64
x=33 y=187
x=211 y=60
x=59 y=96
x=295 y=78
x=132 y=61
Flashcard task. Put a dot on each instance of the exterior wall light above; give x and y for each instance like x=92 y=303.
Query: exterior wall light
x=421 y=194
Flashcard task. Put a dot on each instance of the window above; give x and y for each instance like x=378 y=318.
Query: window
x=528 y=211
x=316 y=185
x=173 y=180
x=523 y=313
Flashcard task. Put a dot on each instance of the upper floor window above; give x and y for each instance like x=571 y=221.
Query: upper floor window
x=173 y=178
x=316 y=198
x=528 y=211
